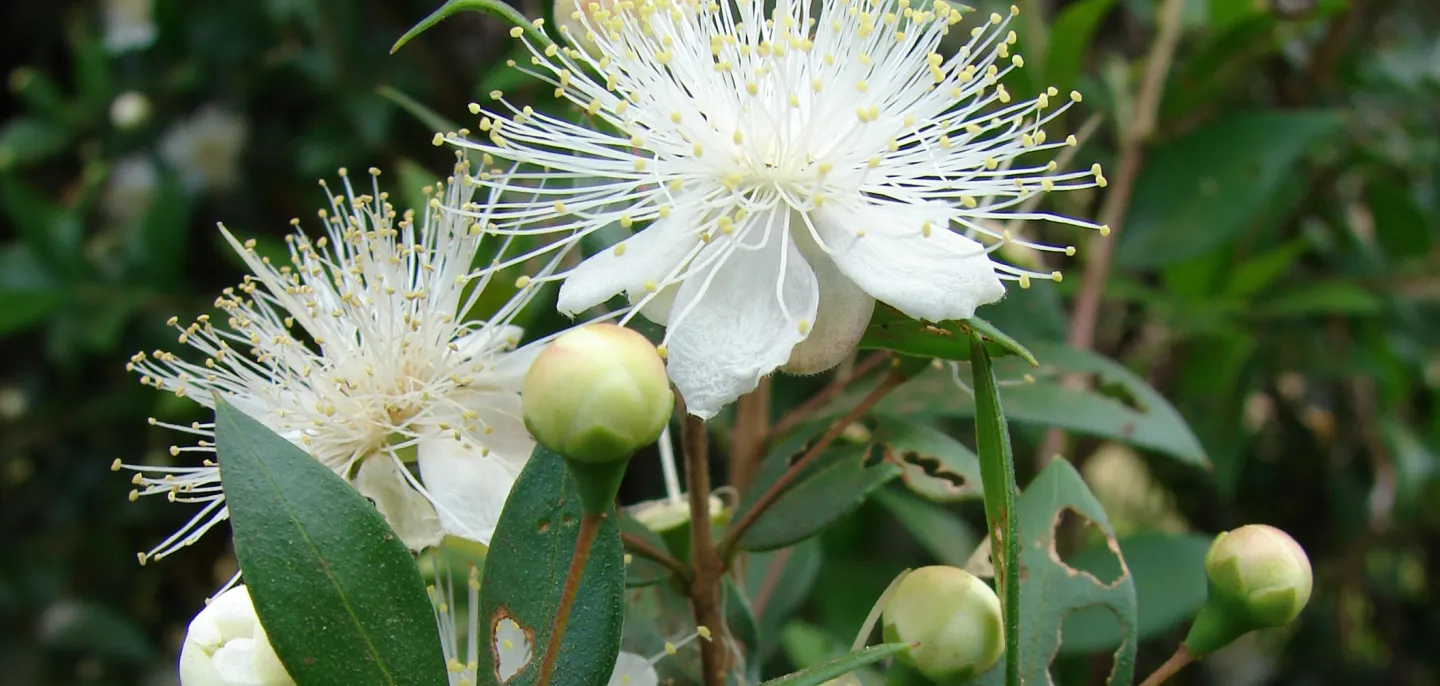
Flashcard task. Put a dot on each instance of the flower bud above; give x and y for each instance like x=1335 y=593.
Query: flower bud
x=129 y=110
x=597 y=394
x=226 y=646
x=1259 y=577
x=954 y=618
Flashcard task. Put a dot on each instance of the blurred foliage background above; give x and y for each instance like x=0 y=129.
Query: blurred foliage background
x=1276 y=277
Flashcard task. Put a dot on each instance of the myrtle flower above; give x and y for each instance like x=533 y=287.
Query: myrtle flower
x=459 y=641
x=128 y=24
x=204 y=150
x=783 y=173
x=360 y=353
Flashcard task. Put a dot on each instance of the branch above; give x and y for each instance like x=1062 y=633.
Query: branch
x=802 y=412
x=641 y=547
x=747 y=441
x=1172 y=666
x=732 y=538
x=708 y=569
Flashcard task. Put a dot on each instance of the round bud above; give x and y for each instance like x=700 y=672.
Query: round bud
x=1262 y=572
x=226 y=646
x=597 y=394
x=954 y=618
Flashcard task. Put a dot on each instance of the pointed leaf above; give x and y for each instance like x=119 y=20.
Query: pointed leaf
x=891 y=330
x=840 y=666
x=997 y=473
x=335 y=589
x=492 y=7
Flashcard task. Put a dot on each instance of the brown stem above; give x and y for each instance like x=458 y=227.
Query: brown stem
x=708 y=569
x=1117 y=201
x=641 y=547
x=589 y=528
x=747 y=441
x=732 y=537
x=1173 y=665
x=802 y=412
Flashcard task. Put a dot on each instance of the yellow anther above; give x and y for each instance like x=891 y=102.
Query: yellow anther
x=1024 y=281
x=1104 y=230
x=662 y=350
x=862 y=85
x=969 y=202
x=803 y=326
x=517 y=32
x=1075 y=96
x=675 y=117
x=474 y=108
x=438 y=140
x=559 y=207
x=522 y=281
x=991 y=163
x=1069 y=251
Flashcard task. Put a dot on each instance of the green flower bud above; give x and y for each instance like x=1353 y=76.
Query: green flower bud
x=597 y=394
x=953 y=616
x=1259 y=577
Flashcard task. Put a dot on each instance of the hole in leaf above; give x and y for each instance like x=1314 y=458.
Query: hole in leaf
x=1081 y=547
x=512 y=646
x=875 y=453
x=934 y=468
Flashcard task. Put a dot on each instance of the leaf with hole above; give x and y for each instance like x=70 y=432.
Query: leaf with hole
x=932 y=463
x=1169 y=574
x=1121 y=406
x=1051 y=589
x=335 y=589
x=830 y=487
x=525 y=574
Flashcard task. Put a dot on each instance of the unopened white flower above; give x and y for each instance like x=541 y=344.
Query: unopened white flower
x=205 y=149
x=360 y=352
x=785 y=171
x=513 y=649
x=129 y=24
x=226 y=646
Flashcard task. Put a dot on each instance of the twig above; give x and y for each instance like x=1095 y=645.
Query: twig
x=589 y=528
x=773 y=574
x=802 y=412
x=641 y=547
x=1117 y=201
x=747 y=441
x=708 y=569
x=1172 y=666
x=732 y=537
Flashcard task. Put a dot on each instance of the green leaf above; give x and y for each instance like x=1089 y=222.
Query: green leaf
x=1070 y=36
x=1120 y=406
x=26 y=140
x=1200 y=191
x=1320 y=298
x=997 y=473
x=777 y=583
x=338 y=593
x=833 y=485
x=1259 y=273
x=495 y=8
x=525 y=574
x=157 y=241
x=932 y=464
x=837 y=667
x=430 y=118
x=891 y=330
x=942 y=533
x=1169 y=575
x=1051 y=589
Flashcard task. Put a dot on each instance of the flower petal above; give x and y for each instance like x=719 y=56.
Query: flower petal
x=508 y=372
x=467 y=488
x=407 y=511
x=646 y=257
x=840 y=321
x=736 y=330
x=937 y=277
x=633 y=670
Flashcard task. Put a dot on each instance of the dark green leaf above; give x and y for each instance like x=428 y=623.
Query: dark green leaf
x=932 y=463
x=1200 y=191
x=1259 y=273
x=840 y=666
x=338 y=593
x=997 y=473
x=1070 y=36
x=1169 y=574
x=832 y=486
x=777 y=583
x=158 y=240
x=744 y=628
x=1320 y=298
x=525 y=574
x=1121 y=406
x=943 y=533
x=891 y=330
x=430 y=118
x=27 y=140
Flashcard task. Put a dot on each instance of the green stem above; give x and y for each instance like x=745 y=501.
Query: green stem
x=997 y=475
x=589 y=529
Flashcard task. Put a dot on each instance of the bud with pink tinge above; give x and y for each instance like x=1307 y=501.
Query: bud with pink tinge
x=1259 y=577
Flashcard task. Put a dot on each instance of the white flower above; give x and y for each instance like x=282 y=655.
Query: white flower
x=129 y=190
x=128 y=24
x=205 y=149
x=788 y=171
x=129 y=110
x=513 y=649
x=360 y=352
x=226 y=646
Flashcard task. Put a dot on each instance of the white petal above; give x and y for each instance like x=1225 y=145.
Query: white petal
x=633 y=670
x=737 y=331
x=197 y=668
x=840 y=321
x=647 y=257
x=407 y=511
x=235 y=663
x=509 y=369
x=506 y=437
x=488 y=339
x=935 y=278
x=267 y=663
x=468 y=489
